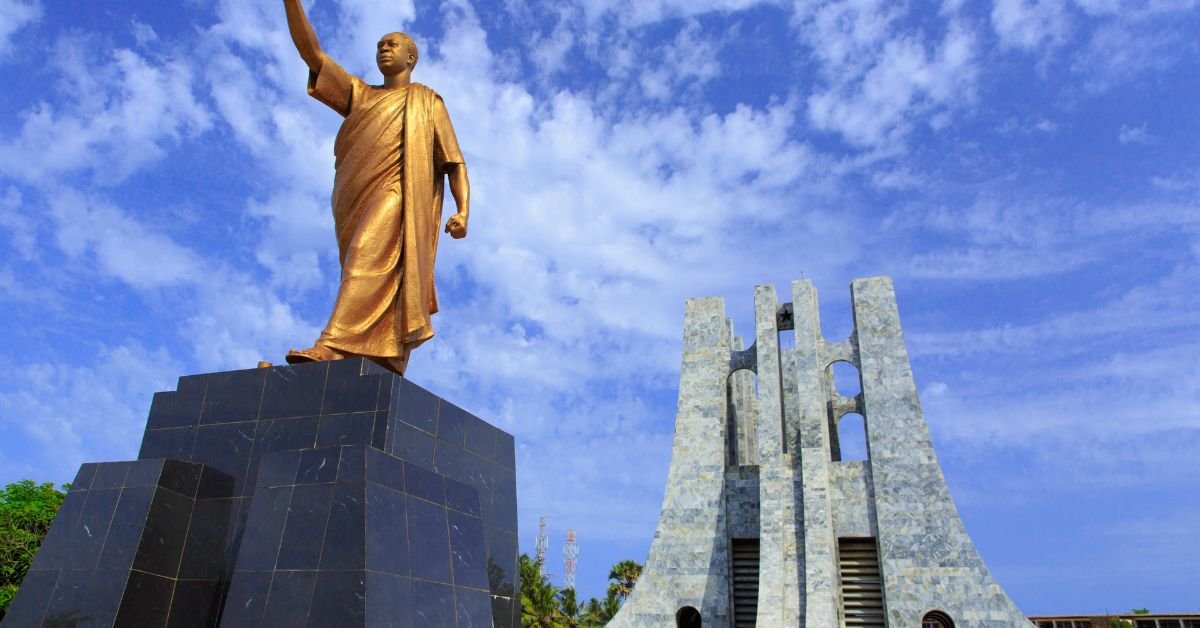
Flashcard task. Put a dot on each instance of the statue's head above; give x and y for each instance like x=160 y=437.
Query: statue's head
x=395 y=53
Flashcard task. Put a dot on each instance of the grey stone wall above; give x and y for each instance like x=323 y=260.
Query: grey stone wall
x=779 y=531
x=755 y=456
x=927 y=559
x=853 y=506
x=741 y=502
x=689 y=556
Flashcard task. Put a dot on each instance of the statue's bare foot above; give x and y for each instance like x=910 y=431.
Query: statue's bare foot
x=318 y=353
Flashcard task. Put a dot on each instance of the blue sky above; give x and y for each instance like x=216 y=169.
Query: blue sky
x=1026 y=170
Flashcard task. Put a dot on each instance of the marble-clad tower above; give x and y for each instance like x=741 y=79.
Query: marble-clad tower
x=764 y=524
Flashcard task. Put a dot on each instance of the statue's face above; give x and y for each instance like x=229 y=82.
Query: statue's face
x=393 y=54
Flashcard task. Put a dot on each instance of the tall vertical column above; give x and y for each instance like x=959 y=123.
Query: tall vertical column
x=820 y=573
x=778 y=583
x=926 y=558
x=689 y=557
x=742 y=412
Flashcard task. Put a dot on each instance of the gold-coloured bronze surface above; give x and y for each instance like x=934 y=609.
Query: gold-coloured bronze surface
x=392 y=156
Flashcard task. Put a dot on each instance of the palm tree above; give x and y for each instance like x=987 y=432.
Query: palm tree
x=568 y=607
x=539 y=604
x=610 y=605
x=624 y=575
x=593 y=614
x=597 y=613
x=545 y=606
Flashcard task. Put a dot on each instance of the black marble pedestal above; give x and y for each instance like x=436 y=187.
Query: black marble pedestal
x=323 y=494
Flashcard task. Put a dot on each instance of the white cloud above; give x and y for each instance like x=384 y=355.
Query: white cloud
x=1134 y=8
x=1046 y=126
x=1182 y=183
x=1107 y=42
x=142 y=33
x=297 y=229
x=642 y=12
x=1005 y=239
x=1122 y=49
x=135 y=109
x=1072 y=330
x=880 y=80
x=683 y=65
x=59 y=414
x=1134 y=134
x=1031 y=24
x=97 y=235
x=143 y=108
x=548 y=52
x=21 y=228
x=1037 y=124
x=1093 y=398
x=15 y=15
x=237 y=321
x=899 y=178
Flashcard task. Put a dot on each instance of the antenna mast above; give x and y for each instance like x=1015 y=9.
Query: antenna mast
x=570 y=557
x=540 y=545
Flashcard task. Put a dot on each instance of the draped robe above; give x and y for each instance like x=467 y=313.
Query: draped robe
x=392 y=153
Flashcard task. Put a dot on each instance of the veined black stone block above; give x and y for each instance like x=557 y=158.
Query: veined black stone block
x=321 y=494
x=351 y=544
x=112 y=556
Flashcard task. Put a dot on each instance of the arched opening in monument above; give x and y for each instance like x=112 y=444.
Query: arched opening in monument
x=837 y=318
x=851 y=441
x=845 y=379
x=936 y=619
x=687 y=617
x=742 y=389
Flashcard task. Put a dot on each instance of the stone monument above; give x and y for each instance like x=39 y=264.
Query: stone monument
x=763 y=524
x=324 y=494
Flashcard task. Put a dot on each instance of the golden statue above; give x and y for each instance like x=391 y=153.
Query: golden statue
x=393 y=152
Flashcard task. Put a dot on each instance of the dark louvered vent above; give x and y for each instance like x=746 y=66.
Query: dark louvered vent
x=862 y=588
x=745 y=582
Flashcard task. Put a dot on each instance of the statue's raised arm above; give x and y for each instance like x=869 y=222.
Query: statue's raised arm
x=303 y=35
x=393 y=155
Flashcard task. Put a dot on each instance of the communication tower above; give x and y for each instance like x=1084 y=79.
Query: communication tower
x=540 y=545
x=570 y=556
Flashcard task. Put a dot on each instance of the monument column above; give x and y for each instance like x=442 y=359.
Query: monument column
x=820 y=589
x=926 y=558
x=778 y=584
x=688 y=563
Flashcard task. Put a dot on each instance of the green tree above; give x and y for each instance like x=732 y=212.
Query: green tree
x=539 y=597
x=26 y=512
x=599 y=612
x=545 y=606
x=623 y=576
x=591 y=615
x=568 y=608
